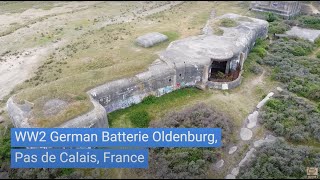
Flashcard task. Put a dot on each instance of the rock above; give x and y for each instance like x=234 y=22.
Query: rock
x=253 y=118
x=261 y=103
x=230 y=176
x=1 y=119
x=268 y=139
x=258 y=143
x=151 y=39
x=279 y=89
x=233 y=149
x=245 y=134
x=304 y=33
x=247 y=157
x=235 y=171
x=220 y=163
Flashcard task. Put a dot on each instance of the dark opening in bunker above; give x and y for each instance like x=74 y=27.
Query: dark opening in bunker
x=217 y=70
x=220 y=71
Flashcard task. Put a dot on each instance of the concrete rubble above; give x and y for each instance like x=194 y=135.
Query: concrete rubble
x=151 y=39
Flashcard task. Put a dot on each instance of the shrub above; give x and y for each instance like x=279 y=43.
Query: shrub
x=185 y=163
x=260 y=51
x=278 y=27
x=290 y=66
x=255 y=69
x=299 y=51
x=140 y=119
x=292 y=117
x=308 y=21
x=318 y=55
x=271 y=17
x=279 y=160
x=317 y=42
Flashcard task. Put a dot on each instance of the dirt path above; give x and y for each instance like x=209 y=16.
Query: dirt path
x=238 y=104
x=258 y=80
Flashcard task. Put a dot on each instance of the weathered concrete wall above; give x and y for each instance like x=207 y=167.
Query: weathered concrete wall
x=286 y=9
x=20 y=114
x=225 y=85
x=125 y=92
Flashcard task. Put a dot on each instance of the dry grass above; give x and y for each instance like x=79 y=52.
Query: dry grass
x=107 y=54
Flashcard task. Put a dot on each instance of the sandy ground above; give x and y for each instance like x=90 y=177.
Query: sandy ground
x=64 y=7
x=314 y=9
x=15 y=69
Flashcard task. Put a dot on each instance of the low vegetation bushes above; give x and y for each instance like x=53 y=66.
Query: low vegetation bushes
x=292 y=67
x=317 y=42
x=278 y=27
x=280 y=161
x=188 y=162
x=292 y=117
x=309 y=21
x=318 y=55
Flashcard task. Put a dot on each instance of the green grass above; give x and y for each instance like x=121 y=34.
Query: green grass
x=226 y=22
x=154 y=107
x=172 y=35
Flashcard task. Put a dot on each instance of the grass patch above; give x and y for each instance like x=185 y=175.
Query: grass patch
x=217 y=31
x=18 y=7
x=172 y=35
x=106 y=54
x=227 y=22
x=140 y=119
x=152 y=108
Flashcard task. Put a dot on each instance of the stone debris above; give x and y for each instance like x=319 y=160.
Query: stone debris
x=268 y=139
x=279 y=89
x=308 y=34
x=220 y=163
x=247 y=157
x=261 y=103
x=245 y=134
x=233 y=149
x=235 y=171
x=1 y=119
x=151 y=39
x=230 y=176
x=253 y=118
